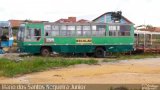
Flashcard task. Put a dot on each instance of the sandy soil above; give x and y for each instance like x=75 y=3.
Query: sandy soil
x=125 y=72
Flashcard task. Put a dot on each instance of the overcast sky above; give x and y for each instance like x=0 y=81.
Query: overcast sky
x=137 y=11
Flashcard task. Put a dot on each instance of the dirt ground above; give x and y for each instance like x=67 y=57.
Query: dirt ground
x=125 y=72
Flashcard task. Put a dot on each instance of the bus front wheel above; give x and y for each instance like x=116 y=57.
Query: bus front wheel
x=99 y=52
x=45 y=51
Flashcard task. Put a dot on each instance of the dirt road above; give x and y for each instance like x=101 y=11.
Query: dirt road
x=125 y=71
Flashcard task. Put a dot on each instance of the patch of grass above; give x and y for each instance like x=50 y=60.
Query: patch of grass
x=128 y=57
x=110 y=60
x=11 y=68
x=139 y=56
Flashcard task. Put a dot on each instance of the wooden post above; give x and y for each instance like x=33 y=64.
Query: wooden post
x=137 y=41
x=151 y=39
x=144 y=43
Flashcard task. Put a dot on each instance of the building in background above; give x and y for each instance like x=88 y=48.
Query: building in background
x=107 y=18
x=71 y=20
x=16 y=23
x=83 y=21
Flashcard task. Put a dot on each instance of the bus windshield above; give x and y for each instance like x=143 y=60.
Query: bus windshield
x=20 y=35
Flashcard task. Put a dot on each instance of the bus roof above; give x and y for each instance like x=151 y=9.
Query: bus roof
x=86 y=23
x=76 y=23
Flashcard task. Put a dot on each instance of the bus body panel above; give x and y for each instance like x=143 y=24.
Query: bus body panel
x=64 y=45
x=78 y=48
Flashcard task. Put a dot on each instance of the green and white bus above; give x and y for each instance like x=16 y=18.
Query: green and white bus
x=93 y=38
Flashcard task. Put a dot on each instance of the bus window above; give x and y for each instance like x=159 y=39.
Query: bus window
x=20 y=34
x=86 y=31
x=47 y=27
x=32 y=34
x=71 y=31
x=46 y=33
x=113 y=30
x=99 y=30
x=124 y=30
x=79 y=30
x=37 y=32
x=63 y=30
x=54 y=31
x=55 y=27
x=28 y=34
x=94 y=28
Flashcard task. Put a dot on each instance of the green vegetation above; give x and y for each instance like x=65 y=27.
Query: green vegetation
x=128 y=57
x=28 y=64
x=12 y=68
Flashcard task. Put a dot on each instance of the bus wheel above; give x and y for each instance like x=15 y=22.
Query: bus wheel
x=45 y=51
x=99 y=52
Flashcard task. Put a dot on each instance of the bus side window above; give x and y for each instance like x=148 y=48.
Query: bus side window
x=86 y=30
x=55 y=31
x=63 y=30
x=101 y=30
x=124 y=30
x=71 y=31
x=113 y=30
x=79 y=30
x=46 y=33
x=28 y=33
x=47 y=29
x=94 y=28
x=37 y=32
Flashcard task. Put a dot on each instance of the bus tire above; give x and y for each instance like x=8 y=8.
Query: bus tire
x=45 y=51
x=99 y=52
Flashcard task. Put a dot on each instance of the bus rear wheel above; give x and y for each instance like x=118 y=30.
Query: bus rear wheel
x=99 y=52
x=45 y=51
